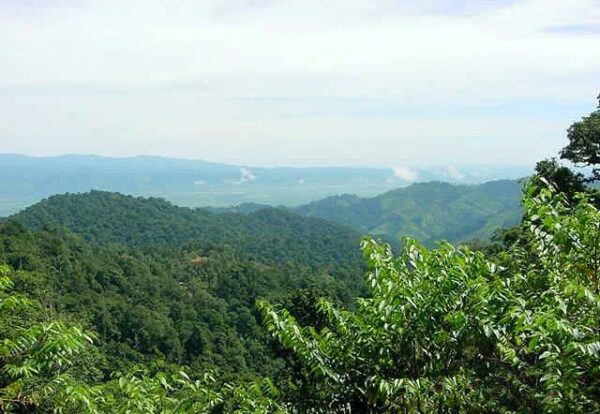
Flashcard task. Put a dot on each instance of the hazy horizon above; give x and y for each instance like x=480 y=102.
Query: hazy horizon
x=25 y=180
x=416 y=164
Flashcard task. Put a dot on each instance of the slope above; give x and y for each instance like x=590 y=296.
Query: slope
x=268 y=234
x=160 y=281
x=428 y=211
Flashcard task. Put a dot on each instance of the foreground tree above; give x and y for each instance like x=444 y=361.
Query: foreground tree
x=37 y=357
x=42 y=370
x=142 y=392
x=451 y=330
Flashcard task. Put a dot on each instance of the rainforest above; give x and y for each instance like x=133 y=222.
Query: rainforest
x=299 y=207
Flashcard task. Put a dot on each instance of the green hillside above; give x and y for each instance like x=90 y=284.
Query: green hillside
x=271 y=234
x=157 y=281
x=426 y=211
x=105 y=328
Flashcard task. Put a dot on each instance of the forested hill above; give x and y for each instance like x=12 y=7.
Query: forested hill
x=157 y=281
x=268 y=234
x=427 y=211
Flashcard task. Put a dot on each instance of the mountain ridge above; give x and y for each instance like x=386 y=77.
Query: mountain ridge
x=108 y=217
x=427 y=211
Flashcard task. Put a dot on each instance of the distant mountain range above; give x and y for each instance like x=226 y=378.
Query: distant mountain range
x=25 y=180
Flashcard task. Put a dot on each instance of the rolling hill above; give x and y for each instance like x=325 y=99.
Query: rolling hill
x=158 y=281
x=269 y=233
x=427 y=211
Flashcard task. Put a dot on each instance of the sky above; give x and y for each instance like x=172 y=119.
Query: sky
x=298 y=82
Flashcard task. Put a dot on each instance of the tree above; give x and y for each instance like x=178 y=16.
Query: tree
x=37 y=357
x=449 y=330
x=41 y=366
x=563 y=178
x=584 y=143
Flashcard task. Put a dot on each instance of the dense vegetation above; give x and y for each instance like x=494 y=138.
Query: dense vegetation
x=452 y=330
x=48 y=365
x=158 y=281
x=429 y=212
x=268 y=234
x=447 y=329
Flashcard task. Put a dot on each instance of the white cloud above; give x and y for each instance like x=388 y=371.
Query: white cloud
x=199 y=78
x=246 y=176
x=405 y=173
x=454 y=173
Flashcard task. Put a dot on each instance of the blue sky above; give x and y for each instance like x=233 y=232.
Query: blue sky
x=298 y=82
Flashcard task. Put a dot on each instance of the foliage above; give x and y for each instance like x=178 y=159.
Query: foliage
x=36 y=356
x=140 y=391
x=187 y=302
x=161 y=304
x=448 y=329
x=38 y=360
x=451 y=330
x=563 y=178
x=271 y=234
x=171 y=292
x=584 y=143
